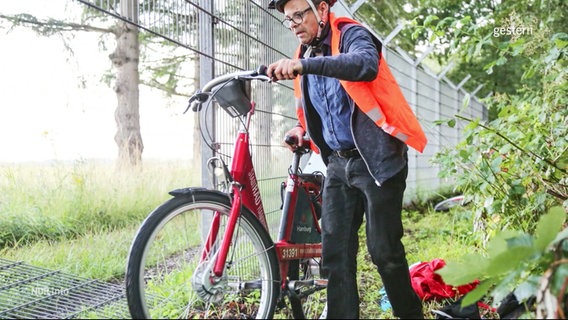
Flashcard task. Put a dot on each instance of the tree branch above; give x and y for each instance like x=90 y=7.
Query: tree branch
x=50 y=26
x=530 y=153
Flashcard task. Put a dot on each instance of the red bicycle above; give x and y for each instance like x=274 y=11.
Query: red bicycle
x=208 y=253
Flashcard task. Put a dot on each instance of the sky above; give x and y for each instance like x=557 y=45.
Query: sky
x=46 y=115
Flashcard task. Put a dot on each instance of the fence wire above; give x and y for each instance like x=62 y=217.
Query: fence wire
x=29 y=292
x=231 y=35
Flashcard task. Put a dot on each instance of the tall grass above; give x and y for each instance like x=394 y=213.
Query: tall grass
x=94 y=255
x=62 y=201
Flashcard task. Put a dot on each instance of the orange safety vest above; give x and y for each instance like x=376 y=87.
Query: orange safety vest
x=381 y=99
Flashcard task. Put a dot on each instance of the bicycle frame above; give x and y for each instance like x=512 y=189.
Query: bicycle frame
x=245 y=192
x=286 y=250
x=240 y=269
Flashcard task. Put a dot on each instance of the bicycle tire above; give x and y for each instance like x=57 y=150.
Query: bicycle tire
x=180 y=288
x=449 y=203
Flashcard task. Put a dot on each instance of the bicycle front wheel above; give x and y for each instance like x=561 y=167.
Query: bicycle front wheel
x=169 y=276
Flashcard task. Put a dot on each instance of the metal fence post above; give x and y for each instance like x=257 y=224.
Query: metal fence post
x=206 y=73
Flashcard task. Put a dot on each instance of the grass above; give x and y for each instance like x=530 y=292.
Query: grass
x=428 y=235
x=80 y=218
x=63 y=201
x=99 y=255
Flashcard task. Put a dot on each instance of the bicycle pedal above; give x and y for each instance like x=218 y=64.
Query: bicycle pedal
x=297 y=284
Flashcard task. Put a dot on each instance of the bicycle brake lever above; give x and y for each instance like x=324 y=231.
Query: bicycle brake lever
x=195 y=101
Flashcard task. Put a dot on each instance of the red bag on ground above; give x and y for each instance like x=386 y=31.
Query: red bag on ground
x=430 y=286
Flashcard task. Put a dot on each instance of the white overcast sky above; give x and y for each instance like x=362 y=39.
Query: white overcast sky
x=44 y=114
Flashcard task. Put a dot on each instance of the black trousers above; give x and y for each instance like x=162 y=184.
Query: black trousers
x=349 y=193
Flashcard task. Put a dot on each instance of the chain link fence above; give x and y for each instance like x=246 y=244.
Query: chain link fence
x=229 y=35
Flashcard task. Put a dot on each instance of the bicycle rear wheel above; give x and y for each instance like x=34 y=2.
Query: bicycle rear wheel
x=449 y=203
x=166 y=277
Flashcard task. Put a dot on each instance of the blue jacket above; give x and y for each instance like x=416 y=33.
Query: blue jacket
x=383 y=154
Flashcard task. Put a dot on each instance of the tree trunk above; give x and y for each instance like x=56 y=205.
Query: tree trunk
x=127 y=115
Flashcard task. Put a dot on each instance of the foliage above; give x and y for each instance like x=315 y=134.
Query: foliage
x=514 y=167
x=474 y=37
x=385 y=16
x=518 y=162
x=514 y=261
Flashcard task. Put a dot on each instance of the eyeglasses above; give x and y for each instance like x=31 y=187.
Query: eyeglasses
x=297 y=18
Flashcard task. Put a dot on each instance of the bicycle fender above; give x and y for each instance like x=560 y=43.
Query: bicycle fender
x=191 y=191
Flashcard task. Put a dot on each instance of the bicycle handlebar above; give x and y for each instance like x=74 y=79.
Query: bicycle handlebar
x=258 y=74
x=292 y=141
x=203 y=95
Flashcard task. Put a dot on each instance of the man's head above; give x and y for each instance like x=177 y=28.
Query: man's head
x=306 y=18
x=279 y=4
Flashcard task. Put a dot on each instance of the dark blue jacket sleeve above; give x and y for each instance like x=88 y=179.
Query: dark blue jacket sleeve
x=358 y=59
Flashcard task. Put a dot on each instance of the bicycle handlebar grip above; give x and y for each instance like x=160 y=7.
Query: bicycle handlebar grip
x=291 y=141
x=262 y=70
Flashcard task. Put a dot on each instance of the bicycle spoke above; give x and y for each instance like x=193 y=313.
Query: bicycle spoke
x=171 y=266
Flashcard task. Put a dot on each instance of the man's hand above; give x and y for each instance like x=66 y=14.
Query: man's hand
x=297 y=132
x=284 y=69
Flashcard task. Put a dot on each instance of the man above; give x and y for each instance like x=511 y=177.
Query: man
x=354 y=112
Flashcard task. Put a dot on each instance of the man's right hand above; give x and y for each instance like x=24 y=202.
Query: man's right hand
x=284 y=69
x=297 y=132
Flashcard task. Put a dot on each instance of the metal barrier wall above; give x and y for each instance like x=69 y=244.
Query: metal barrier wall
x=231 y=35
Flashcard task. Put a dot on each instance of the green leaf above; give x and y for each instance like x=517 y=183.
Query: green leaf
x=450 y=122
x=518 y=46
x=560 y=43
x=477 y=293
x=501 y=61
x=508 y=260
x=562 y=162
x=499 y=243
x=444 y=22
x=527 y=289
x=548 y=226
x=560 y=276
x=429 y=19
x=560 y=236
x=496 y=164
x=461 y=273
x=465 y=102
x=416 y=32
x=523 y=240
